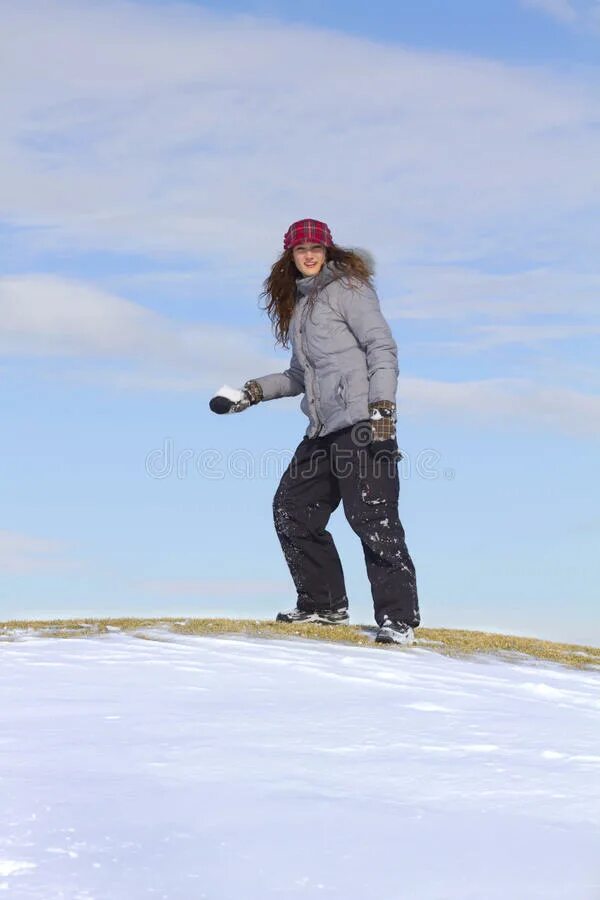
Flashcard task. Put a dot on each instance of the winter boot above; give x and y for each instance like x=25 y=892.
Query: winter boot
x=327 y=617
x=392 y=632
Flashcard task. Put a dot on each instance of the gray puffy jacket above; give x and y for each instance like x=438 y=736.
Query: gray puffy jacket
x=344 y=355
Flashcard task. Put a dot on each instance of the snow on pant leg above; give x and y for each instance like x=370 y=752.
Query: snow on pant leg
x=369 y=484
x=306 y=497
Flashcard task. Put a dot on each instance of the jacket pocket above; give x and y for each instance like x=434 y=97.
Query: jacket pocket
x=341 y=391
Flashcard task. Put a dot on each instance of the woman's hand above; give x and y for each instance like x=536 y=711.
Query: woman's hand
x=234 y=400
x=382 y=416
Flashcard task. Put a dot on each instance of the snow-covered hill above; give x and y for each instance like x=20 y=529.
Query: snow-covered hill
x=243 y=769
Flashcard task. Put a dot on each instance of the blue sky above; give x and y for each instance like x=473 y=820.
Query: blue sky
x=539 y=30
x=153 y=153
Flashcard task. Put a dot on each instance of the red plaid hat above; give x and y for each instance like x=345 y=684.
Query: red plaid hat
x=307 y=231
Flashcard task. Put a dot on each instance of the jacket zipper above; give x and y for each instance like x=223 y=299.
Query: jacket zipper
x=320 y=428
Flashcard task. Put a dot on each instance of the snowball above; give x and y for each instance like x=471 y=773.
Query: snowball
x=231 y=393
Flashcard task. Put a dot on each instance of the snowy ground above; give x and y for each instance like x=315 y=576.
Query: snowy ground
x=239 y=769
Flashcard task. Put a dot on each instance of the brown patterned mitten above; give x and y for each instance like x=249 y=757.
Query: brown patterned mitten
x=254 y=391
x=382 y=415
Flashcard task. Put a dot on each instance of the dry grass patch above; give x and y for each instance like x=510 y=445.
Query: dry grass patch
x=447 y=641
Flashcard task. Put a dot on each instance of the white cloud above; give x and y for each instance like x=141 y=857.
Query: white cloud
x=496 y=335
x=55 y=317
x=48 y=316
x=581 y=14
x=562 y=10
x=195 y=135
x=501 y=401
x=461 y=293
x=23 y=554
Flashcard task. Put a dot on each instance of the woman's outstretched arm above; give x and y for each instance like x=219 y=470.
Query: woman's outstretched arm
x=283 y=384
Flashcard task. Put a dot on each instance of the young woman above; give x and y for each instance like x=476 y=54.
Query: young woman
x=321 y=299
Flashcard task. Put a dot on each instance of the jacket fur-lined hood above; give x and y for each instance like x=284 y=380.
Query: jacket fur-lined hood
x=367 y=257
x=329 y=273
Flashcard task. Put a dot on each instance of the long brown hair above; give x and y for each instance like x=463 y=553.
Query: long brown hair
x=280 y=286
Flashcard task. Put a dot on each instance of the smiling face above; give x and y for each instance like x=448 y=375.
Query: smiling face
x=309 y=258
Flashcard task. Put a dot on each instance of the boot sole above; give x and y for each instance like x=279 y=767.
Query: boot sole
x=388 y=637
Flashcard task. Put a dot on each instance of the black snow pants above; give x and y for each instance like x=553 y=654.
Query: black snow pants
x=345 y=465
